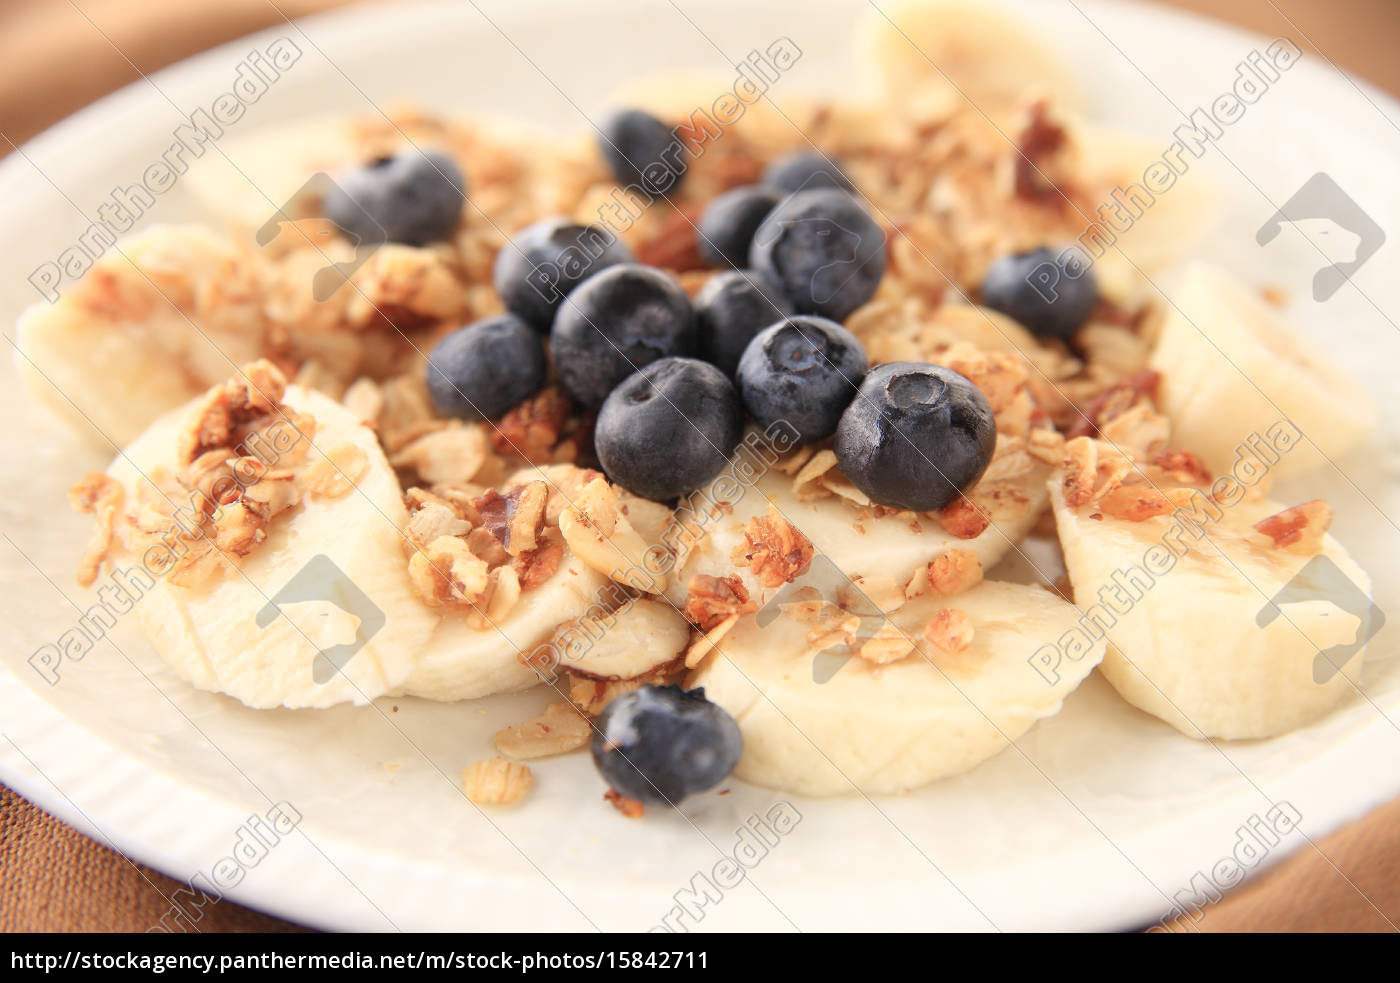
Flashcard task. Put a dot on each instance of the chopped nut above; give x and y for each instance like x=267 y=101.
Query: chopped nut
x=887 y=645
x=1135 y=503
x=364 y=399
x=1300 y=529
x=1081 y=469
x=773 y=549
x=711 y=600
x=1182 y=467
x=630 y=808
x=950 y=629
x=805 y=483
x=560 y=729
x=255 y=391
x=272 y=494
x=602 y=537
x=836 y=628
x=103 y=497
x=336 y=472
x=954 y=572
x=1046 y=445
x=447 y=572
x=432 y=521
x=1140 y=429
x=535 y=566
x=709 y=641
x=964 y=518
x=496 y=782
x=451 y=456
x=591 y=695
x=1113 y=402
x=502 y=591
x=532 y=429
x=526 y=517
x=838 y=484
x=795 y=460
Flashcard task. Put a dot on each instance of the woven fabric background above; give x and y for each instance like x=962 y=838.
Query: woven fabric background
x=59 y=56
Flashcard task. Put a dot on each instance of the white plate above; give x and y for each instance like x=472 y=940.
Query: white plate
x=1102 y=816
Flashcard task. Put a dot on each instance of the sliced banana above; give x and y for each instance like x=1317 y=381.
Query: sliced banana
x=854 y=538
x=262 y=171
x=983 y=54
x=1197 y=641
x=329 y=569
x=464 y=661
x=1149 y=231
x=820 y=725
x=148 y=328
x=1232 y=368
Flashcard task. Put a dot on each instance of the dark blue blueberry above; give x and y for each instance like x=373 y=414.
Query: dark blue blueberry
x=537 y=269
x=801 y=170
x=481 y=371
x=669 y=428
x=730 y=309
x=663 y=743
x=824 y=249
x=727 y=224
x=803 y=370
x=915 y=436
x=414 y=198
x=614 y=323
x=642 y=150
x=1051 y=295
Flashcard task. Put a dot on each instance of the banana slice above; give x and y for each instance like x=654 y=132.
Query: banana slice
x=1157 y=230
x=262 y=171
x=1232 y=368
x=463 y=661
x=827 y=725
x=854 y=537
x=330 y=574
x=145 y=330
x=988 y=56
x=1197 y=640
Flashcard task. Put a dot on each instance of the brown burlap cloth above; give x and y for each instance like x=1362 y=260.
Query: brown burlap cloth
x=59 y=56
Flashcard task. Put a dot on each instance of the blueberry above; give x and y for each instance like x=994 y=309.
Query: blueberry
x=668 y=428
x=727 y=224
x=614 y=323
x=801 y=170
x=481 y=371
x=915 y=436
x=824 y=250
x=642 y=150
x=1048 y=294
x=733 y=307
x=414 y=198
x=803 y=370
x=663 y=743
x=545 y=261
